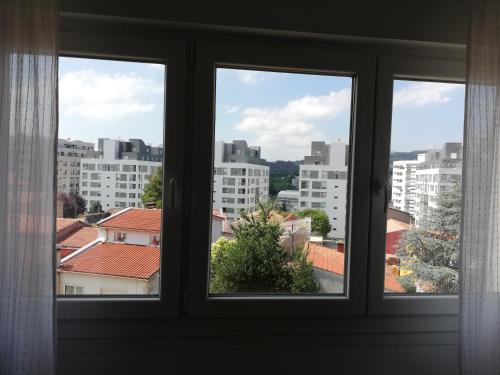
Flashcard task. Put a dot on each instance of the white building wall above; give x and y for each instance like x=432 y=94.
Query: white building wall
x=115 y=182
x=216 y=229
x=239 y=186
x=326 y=188
x=132 y=237
x=289 y=198
x=69 y=155
x=404 y=185
x=430 y=182
x=99 y=284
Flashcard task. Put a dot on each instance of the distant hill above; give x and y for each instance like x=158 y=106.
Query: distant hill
x=284 y=167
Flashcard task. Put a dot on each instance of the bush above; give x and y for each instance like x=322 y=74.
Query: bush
x=256 y=263
x=320 y=224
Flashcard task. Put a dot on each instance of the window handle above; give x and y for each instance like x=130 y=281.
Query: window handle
x=172 y=193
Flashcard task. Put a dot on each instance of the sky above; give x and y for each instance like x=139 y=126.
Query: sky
x=281 y=112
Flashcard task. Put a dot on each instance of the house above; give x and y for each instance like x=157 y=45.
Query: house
x=110 y=268
x=329 y=270
x=119 y=256
x=73 y=234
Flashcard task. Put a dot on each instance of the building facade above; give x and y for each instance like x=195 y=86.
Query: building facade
x=404 y=174
x=440 y=171
x=241 y=178
x=323 y=183
x=117 y=173
x=69 y=155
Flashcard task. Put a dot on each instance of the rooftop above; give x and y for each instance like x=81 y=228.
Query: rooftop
x=79 y=238
x=331 y=260
x=140 y=219
x=62 y=223
x=115 y=259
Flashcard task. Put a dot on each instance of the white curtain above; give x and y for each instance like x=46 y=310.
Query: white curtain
x=28 y=120
x=480 y=262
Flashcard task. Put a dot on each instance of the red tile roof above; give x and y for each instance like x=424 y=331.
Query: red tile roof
x=218 y=214
x=331 y=260
x=141 y=219
x=80 y=238
x=116 y=259
x=62 y=223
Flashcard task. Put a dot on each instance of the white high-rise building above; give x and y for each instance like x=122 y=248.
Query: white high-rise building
x=241 y=178
x=323 y=183
x=116 y=174
x=404 y=184
x=439 y=172
x=69 y=154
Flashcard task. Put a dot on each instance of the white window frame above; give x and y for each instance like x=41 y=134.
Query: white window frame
x=390 y=69
x=153 y=49
x=210 y=56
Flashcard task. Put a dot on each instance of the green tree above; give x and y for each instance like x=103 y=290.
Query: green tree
x=431 y=252
x=255 y=262
x=95 y=208
x=320 y=224
x=73 y=204
x=279 y=182
x=153 y=190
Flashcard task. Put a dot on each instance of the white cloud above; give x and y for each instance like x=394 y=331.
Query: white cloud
x=160 y=67
x=231 y=109
x=250 y=76
x=419 y=94
x=100 y=96
x=283 y=131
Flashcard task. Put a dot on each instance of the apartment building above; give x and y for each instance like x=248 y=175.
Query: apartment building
x=116 y=174
x=404 y=174
x=323 y=183
x=440 y=171
x=69 y=154
x=241 y=178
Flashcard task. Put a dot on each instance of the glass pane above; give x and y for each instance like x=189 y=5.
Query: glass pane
x=281 y=161
x=424 y=213
x=109 y=177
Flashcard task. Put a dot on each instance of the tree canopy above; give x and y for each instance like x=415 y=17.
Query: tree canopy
x=95 y=208
x=73 y=204
x=320 y=224
x=431 y=253
x=255 y=261
x=153 y=190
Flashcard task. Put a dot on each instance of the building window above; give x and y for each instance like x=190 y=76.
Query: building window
x=72 y=289
x=120 y=236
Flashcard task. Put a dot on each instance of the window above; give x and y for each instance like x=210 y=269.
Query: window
x=72 y=289
x=120 y=236
x=259 y=144
x=101 y=103
x=421 y=249
x=419 y=133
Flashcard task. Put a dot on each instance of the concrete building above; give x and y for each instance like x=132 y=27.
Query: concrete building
x=404 y=184
x=241 y=178
x=323 y=183
x=116 y=174
x=439 y=172
x=289 y=199
x=69 y=154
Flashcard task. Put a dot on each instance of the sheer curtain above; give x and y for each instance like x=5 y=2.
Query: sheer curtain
x=28 y=120
x=480 y=263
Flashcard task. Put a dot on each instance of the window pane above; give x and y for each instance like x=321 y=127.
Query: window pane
x=110 y=136
x=282 y=135
x=424 y=213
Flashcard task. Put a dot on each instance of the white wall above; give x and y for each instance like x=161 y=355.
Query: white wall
x=216 y=229
x=133 y=237
x=94 y=284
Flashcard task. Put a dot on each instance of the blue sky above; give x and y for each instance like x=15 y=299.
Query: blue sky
x=281 y=112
